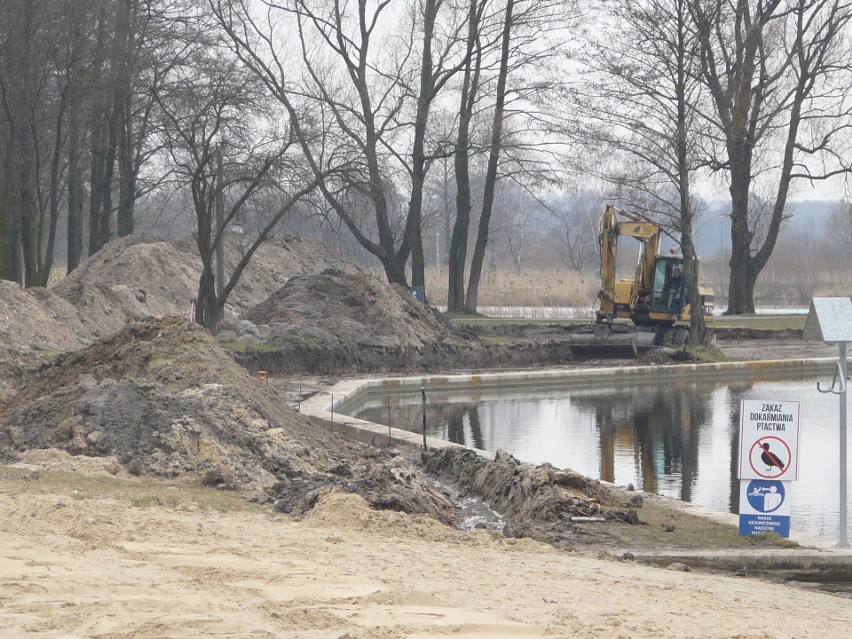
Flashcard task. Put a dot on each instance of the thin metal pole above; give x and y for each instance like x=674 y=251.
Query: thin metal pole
x=423 y=393
x=332 y=412
x=390 y=437
x=844 y=542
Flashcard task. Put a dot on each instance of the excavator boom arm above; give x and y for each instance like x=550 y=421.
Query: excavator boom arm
x=646 y=232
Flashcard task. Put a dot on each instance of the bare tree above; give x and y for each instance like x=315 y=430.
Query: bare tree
x=226 y=150
x=39 y=67
x=131 y=49
x=840 y=231
x=71 y=94
x=777 y=72
x=510 y=84
x=369 y=92
x=493 y=159
x=22 y=70
x=640 y=96
x=477 y=47
x=574 y=223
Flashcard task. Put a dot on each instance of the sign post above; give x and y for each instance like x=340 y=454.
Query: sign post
x=841 y=362
x=830 y=320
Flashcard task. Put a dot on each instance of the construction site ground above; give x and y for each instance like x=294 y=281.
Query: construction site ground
x=132 y=440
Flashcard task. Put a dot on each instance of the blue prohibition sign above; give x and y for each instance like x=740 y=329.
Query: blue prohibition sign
x=765 y=496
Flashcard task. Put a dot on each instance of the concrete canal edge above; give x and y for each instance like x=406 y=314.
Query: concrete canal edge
x=327 y=409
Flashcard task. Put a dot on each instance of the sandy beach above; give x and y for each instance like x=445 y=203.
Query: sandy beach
x=107 y=568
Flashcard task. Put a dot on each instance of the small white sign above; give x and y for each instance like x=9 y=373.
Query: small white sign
x=769 y=440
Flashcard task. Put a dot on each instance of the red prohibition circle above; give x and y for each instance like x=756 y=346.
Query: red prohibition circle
x=761 y=440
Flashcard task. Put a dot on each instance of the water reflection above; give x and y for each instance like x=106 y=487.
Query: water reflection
x=661 y=427
x=678 y=439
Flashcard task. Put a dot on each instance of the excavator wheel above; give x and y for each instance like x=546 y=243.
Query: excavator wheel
x=680 y=337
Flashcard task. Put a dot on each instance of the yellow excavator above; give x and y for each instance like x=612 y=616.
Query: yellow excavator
x=655 y=299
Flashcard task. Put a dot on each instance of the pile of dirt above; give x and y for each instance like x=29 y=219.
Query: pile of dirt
x=133 y=278
x=164 y=399
x=141 y=276
x=348 y=323
x=351 y=308
x=542 y=502
x=34 y=321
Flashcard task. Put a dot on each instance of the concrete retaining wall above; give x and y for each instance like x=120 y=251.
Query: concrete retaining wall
x=325 y=408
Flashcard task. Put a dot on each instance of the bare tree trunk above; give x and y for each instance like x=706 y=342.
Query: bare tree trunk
x=75 y=193
x=457 y=255
x=97 y=185
x=220 y=241
x=491 y=171
x=26 y=218
x=124 y=96
x=741 y=284
x=6 y=214
x=44 y=258
x=414 y=227
x=126 y=175
x=105 y=215
x=74 y=245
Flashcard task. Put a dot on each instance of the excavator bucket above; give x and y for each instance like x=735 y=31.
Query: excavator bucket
x=612 y=346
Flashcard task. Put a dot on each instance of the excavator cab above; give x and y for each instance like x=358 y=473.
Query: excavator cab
x=668 y=294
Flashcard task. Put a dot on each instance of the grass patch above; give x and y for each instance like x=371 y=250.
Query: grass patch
x=239 y=347
x=665 y=526
x=709 y=354
x=761 y=322
x=138 y=492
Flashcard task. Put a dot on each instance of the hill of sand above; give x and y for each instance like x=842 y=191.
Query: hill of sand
x=142 y=276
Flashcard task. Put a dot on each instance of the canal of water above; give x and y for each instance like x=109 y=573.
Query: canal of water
x=678 y=438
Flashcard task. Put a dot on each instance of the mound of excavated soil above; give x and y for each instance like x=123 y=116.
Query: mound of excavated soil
x=350 y=308
x=349 y=323
x=136 y=277
x=337 y=322
x=142 y=276
x=35 y=321
x=164 y=399
x=536 y=501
